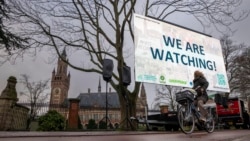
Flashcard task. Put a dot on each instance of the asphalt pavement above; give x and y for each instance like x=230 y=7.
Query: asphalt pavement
x=221 y=135
x=11 y=134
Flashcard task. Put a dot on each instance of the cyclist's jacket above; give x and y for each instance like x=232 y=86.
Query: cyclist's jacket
x=200 y=83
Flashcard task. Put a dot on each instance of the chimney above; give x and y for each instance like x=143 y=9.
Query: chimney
x=89 y=90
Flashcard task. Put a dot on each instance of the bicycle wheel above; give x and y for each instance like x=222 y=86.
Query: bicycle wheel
x=209 y=124
x=186 y=120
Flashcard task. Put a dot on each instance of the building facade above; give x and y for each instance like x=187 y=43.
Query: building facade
x=92 y=105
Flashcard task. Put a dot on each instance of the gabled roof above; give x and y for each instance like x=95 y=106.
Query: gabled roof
x=99 y=100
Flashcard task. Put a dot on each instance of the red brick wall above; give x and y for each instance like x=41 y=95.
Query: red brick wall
x=73 y=114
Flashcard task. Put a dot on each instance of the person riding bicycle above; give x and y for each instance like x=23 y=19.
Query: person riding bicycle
x=200 y=85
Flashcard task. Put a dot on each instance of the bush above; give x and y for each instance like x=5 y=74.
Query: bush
x=92 y=124
x=102 y=125
x=51 y=121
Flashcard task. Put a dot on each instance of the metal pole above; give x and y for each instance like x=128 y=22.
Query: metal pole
x=106 y=104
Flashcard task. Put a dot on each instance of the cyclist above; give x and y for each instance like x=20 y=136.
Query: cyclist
x=200 y=84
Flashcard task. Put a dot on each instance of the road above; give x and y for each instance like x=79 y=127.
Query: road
x=222 y=135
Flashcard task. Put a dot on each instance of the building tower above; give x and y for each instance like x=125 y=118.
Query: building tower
x=141 y=102
x=99 y=86
x=60 y=81
x=143 y=95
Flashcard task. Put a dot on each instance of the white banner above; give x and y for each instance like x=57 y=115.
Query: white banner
x=167 y=54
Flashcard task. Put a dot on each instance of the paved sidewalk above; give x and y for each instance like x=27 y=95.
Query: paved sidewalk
x=226 y=135
x=7 y=134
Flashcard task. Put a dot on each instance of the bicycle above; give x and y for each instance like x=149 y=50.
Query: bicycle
x=188 y=115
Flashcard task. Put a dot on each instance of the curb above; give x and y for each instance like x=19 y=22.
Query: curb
x=6 y=134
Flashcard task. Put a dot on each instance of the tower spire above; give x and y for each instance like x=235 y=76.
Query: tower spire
x=99 y=85
x=60 y=81
x=143 y=95
x=64 y=54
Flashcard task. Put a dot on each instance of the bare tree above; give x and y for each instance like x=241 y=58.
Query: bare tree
x=35 y=93
x=165 y=94
x=231 y=53
x=100 y=29
x=9 y=40
x=237 y=64
x=243 y=73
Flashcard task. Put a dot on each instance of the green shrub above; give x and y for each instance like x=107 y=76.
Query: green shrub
x=92 y=124
x=102 y=125
x=51 y=121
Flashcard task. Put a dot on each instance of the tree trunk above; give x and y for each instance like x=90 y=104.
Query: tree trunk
x=128 y=109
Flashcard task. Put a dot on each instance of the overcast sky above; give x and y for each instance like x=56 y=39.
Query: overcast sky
x=38 y=68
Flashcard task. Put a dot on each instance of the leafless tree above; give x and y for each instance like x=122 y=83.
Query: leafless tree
x=237 y=64
x=231 y=53
x=10 y=40
x=35 y=92
x=165 y=94
x=243 y=73
x=100 y=29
